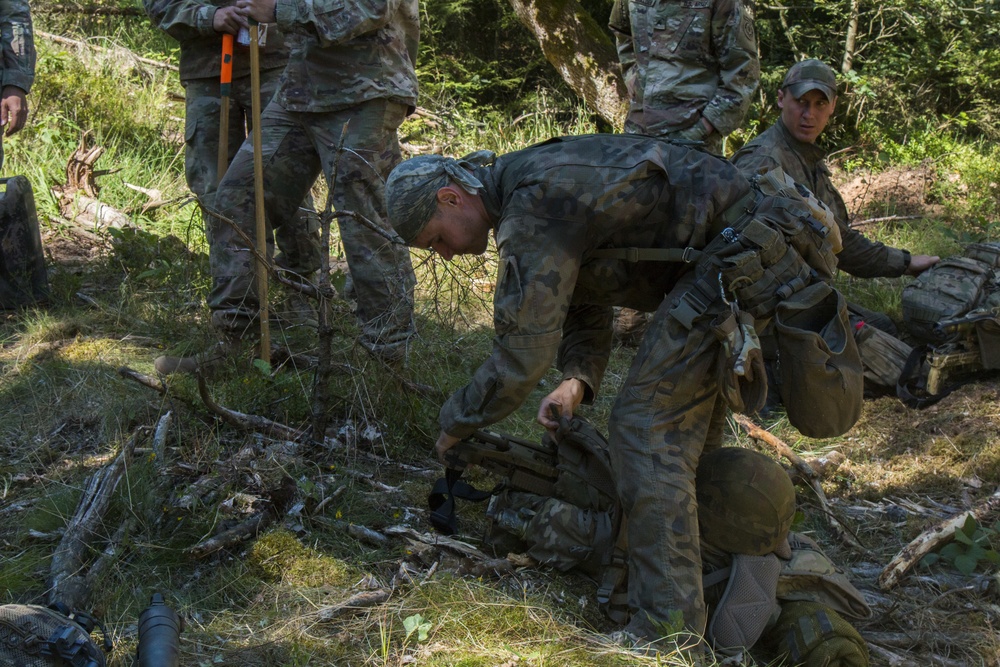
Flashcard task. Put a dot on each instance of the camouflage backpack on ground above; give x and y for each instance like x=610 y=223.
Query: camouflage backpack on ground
x=36 y=636
x=953 y=308
x=951 y=289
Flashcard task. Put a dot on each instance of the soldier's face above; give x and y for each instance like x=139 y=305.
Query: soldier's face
x=458 y=227
x=805 y=117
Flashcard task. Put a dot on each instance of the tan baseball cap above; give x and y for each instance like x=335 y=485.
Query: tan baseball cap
x=811 y=75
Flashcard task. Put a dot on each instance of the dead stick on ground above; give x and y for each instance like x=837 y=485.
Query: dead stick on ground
x=234 y=535
x=66 y=583
x=248 y=422
x=807 y=471
x=927 y=541
x=84 y=45
x=354 y=604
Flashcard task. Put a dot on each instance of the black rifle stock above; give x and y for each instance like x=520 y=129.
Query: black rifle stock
x=527 y=466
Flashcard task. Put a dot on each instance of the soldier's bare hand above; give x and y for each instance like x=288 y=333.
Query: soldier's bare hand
x=920 y=263
x=444 y=443
x=230 y=20
x=563 y=400
x=259 y=10
x=13 y=109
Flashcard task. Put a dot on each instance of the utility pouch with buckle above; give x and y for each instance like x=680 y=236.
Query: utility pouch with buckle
x=820 y=375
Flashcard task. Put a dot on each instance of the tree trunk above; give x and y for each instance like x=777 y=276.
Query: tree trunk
x=850 y=40
x=580 y=50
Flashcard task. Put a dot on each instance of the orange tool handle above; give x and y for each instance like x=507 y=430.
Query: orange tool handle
x=226 y=70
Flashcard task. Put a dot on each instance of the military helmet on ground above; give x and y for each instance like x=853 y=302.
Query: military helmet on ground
x=746 y=502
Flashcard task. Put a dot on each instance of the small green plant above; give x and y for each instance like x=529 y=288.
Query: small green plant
x=416 y=623
x=973 y=544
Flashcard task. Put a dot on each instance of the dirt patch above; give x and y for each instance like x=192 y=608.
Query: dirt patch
x=899 y=191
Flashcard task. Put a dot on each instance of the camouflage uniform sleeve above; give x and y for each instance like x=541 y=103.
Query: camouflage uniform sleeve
x=539 y=265
x=334 y=21
x=18 y=44
x=184 y=20
x=752 y=160
x=865 y=258
x=586 y=346
x=739 y=68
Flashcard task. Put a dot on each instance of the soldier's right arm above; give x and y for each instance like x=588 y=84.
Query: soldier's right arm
x=184 y=20
x=18 y=44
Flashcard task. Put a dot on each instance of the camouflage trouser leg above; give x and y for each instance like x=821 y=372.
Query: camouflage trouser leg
x=666 y=415
x=295 y=148
x=298 y=243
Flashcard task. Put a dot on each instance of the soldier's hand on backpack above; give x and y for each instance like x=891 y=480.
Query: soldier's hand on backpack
x=562 y=402
x=444 y=443
x=920 y=263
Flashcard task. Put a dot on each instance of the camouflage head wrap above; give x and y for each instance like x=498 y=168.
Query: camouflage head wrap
x=411 y=191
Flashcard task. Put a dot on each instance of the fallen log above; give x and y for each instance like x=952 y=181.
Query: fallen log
x=243 y=531
x=930 y=539
x=67 y=581
x=354 y=604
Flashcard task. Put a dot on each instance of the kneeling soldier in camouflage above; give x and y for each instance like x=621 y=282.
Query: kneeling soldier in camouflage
x=586 y=223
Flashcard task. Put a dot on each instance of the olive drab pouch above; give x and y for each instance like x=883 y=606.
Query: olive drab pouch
x=883 y=356
x=810 y=575
x=819 y=374
x=36 y=636
x=23 y=280
x=742 y=376
x=775 y=181
x=813 y=635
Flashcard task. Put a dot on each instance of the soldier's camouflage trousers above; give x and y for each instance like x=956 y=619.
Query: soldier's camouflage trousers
x=296 y=147
x=668 y=413
x=298 y=244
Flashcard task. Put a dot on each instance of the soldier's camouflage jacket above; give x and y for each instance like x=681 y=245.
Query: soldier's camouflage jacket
x=552 y=205
x=345 y=53
x=806 y=164
x=18 y=45
x=190 y=23
x=686 y=59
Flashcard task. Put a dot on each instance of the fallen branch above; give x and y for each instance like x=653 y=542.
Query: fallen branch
x=248 y=422
x=66 y=582
x=354 y=604
x=249 y=528
x=84 y=45
x=438 y=541
x=930 y=539
x=143 y=379
x=808 y=473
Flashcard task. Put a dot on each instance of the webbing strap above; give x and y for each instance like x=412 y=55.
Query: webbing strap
x=442 y=497
x=908 y=388
x=648 y=254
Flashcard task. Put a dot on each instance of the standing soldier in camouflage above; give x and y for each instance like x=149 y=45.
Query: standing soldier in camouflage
x=18 y=65
x=807 y=98
x=350 y=79
x=198 y=26
x=690 y=67
x=563 y=214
